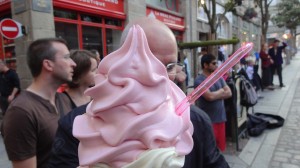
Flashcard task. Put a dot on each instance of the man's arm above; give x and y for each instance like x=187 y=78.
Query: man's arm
x=28 y=163
x=13 y=94
x=19 y=138
x=215 y=95
x=16 y=85
x=222 y=93
x=227 y=92
x=283 y=45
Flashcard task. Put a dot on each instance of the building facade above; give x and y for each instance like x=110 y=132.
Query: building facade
x=98 y=24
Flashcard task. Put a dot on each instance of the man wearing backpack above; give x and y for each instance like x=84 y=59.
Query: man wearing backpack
x=212 y=101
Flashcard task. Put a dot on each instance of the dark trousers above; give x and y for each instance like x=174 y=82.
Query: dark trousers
x=3 y=104
x=278 y=69
x=266 y=76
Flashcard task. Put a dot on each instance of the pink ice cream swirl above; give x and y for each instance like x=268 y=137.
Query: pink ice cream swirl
x=133 y=108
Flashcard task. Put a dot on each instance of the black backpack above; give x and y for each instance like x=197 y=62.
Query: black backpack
x=248 y=95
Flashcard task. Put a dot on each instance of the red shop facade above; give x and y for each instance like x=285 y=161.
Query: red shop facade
x=84 y=24
x=174 y=22
x=94 y=24
x=7 y=46
x=90 y=24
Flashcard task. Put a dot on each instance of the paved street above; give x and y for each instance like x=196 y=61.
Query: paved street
x=4 y=162
x=279 y=148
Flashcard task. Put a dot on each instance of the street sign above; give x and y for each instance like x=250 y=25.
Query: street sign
x=10 y=29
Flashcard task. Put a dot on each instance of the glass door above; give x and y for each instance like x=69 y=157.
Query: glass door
x=92 y=39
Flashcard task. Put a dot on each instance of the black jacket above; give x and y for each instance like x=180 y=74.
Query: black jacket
x=205 y=153
x=64 y=152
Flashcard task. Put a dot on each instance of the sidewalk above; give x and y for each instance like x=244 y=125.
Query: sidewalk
x=279 y=148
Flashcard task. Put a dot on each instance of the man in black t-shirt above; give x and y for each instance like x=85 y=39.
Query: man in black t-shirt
x=9 y=86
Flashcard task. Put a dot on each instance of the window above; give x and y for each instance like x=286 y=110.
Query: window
x=68 y=32
x=92 y=39
x=112 y=40
x=89 y=18
x=65 y=14
x=114 y=22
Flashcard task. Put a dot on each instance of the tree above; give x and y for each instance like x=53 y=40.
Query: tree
x=288 y=15
x=265 y=16
x=213 y=19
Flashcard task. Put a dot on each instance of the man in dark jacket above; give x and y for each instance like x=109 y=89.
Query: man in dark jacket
x=205 y=153
x=276 y=54
x=65 y=147
x=9 y=86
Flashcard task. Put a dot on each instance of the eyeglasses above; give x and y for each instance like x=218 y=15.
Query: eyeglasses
x=171 y=67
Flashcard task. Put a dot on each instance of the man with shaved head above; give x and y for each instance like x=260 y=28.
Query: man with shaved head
x=162 y=44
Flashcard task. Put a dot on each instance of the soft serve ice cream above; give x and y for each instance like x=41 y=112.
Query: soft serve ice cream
x=131 y=121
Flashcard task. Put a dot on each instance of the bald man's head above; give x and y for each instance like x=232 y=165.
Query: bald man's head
x=161 y=39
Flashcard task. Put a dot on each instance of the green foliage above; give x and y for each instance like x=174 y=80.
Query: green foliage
x=191 y=45
x=288 y=14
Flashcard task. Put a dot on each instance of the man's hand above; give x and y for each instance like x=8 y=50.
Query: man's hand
x=10 y=98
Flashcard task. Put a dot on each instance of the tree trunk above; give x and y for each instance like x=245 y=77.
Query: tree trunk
x=213 y=49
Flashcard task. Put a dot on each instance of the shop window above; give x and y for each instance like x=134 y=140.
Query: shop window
x=92 y=39
x=178 y=35
x=112 y=40
x=65 y=14
x=114 y=22
x=89 y=18
x=68 y=32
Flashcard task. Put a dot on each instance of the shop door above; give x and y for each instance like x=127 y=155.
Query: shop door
x=92 y=39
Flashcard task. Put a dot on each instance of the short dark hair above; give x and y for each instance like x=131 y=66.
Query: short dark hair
x=207 y=59
x=38 y=51
x=83 y=65
x=203 y=49
x=275 y=41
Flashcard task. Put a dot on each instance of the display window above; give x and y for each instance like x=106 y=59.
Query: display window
x=86 y=31
x=90 y=24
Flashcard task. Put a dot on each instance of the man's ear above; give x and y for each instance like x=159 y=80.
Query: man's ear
x=205 y=65
x=48 y=64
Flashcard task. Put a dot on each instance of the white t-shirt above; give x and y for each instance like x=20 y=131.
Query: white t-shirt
x=250 y=71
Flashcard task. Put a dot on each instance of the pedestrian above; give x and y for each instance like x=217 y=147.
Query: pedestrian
x=212 y=101
x=64 y=148
x=97 y=55
x=204 y=153
x=266 y=63
x=30 y=122
x=9 y=86
x=276 y=54
x=83 y=77
x=204 y=51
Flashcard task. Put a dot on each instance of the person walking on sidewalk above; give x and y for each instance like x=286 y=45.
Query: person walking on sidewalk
x=276 y=54
x=267 y=61
x=30 y=122
x=212 y=101
x=9 y=86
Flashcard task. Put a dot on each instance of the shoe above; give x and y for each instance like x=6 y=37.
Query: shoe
x=270 y=87
x=260 y=97
x=282 y=85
